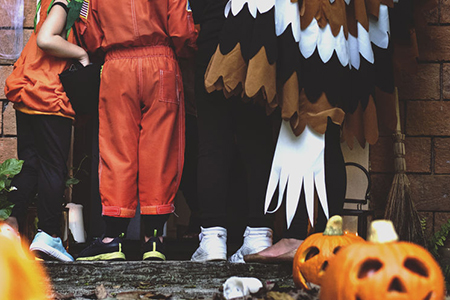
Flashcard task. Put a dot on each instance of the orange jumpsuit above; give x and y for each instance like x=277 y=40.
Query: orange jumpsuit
x=141 y=105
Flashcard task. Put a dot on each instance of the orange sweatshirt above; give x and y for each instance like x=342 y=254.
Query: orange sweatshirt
x=34 y=85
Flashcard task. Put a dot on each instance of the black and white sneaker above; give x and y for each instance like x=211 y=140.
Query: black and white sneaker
x=103 y=251
x=153 y=249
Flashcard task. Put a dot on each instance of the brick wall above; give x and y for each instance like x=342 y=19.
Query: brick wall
x=425 y=116
x=7 y=117
x=425 y=112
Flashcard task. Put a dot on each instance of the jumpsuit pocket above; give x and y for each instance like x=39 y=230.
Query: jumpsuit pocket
x=168 y=87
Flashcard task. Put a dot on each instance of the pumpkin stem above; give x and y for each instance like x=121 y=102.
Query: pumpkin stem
x=334 y=226
x=382 y=231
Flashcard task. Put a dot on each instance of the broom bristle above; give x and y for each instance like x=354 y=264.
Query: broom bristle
x=400 y=208
x=402 y=212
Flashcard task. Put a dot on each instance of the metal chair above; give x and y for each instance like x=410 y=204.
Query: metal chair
x=362 y=214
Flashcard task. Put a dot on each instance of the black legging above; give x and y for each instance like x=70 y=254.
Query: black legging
x=43 y=142
x=223 y=122
x=222 y=125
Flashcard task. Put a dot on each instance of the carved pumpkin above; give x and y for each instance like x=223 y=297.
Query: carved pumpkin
x=311 y=258
x=9 y=232
x=21 y=277
x=383 y=269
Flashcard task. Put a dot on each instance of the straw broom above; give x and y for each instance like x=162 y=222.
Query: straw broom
x=400 y=208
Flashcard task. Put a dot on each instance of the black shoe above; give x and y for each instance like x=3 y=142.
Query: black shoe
x=103 y=251
x=154 y=250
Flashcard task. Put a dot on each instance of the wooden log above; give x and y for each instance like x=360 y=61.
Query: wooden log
x=180 y=279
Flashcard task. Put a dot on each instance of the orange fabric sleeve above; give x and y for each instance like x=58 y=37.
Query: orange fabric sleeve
x=181 y=28
x=88 y=28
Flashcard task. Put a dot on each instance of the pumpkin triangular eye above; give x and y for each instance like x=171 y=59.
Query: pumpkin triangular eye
x=313 y=251
x=416 y=266
x=369 y=267
x=336 y=249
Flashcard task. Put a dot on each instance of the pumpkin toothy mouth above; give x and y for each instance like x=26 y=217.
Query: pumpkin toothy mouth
x=372 y=266
x=428 y=297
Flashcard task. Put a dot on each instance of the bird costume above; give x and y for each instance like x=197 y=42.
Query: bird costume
x=321 y=62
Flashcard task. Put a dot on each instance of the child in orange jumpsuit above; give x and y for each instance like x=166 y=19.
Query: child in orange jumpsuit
x=44 y=123
x=141 y=114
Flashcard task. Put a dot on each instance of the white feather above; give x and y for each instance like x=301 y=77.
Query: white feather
x=294 y=188
x=308 y=39
x=364 y=44
x=355 y=59
x=264 y=5
x=341 y=48
x=253 y=6
x=319 y=180
x=227 y=9
x=298 y=162
x=379 y=29
x=237 y=5
x=287 y=13
x=326 y=43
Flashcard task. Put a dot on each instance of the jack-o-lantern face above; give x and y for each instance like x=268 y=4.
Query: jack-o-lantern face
x=395 y=270
x=311 y=258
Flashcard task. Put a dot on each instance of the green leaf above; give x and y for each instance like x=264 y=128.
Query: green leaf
x=11 y=167
x=72 y=181
x=5 y=212
x=6 y=204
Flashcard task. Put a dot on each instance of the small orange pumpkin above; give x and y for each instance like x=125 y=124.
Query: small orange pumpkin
x=311 y=258
x=20 y=277
x=383 y=269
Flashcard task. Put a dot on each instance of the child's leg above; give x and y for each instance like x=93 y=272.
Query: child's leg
x=188 y=182
x=53 y=135
x=52 y=143
x=119 y=118
x=161 y=139
x=154 y=225
x=26 y=180
x=153 y=248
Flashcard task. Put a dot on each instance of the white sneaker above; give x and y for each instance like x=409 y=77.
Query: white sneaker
x=213 y=245
x=255 y=239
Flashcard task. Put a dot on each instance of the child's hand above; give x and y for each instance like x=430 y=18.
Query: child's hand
x=84 y=59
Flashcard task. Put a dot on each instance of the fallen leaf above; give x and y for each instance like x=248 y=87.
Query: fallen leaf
x=129 y=296
x=278 y=296
x=101 y=292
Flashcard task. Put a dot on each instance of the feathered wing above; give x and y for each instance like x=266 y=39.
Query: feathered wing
x=244 y=62
x=316 y=60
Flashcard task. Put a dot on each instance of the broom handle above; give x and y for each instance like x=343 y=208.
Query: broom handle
x=399 y=140
x=397 y=109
